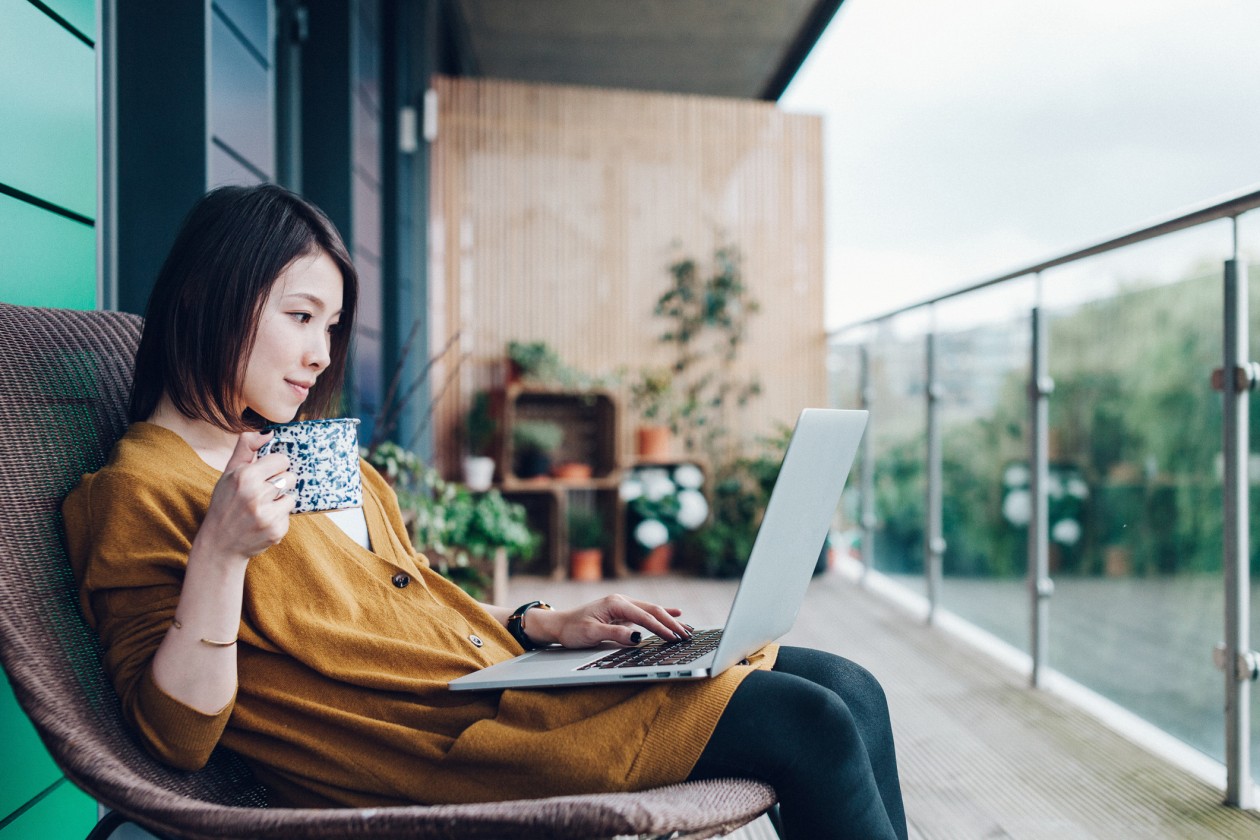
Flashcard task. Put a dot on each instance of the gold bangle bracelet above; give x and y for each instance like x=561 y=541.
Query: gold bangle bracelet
x=205 y=641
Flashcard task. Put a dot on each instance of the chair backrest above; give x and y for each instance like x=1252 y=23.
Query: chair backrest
x=65 y=378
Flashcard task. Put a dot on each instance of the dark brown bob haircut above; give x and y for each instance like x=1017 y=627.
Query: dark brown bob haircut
x=205 y=306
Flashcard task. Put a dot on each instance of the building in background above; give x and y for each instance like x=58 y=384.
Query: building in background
x=118 y=115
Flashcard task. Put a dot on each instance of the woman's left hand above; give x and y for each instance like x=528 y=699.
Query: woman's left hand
x=612 y=618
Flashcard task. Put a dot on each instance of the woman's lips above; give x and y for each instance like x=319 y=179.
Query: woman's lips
x=300 y=389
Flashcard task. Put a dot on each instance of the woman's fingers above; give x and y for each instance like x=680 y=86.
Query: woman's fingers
x=660 y=620
x=667 y=617
x=616 y=618
x=247 y=444
x=249 y=509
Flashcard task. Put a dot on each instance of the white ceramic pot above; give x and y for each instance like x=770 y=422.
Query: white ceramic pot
x=478 y=473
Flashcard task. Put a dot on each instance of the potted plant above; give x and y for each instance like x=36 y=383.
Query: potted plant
x=479 y=464
x=537 y=363
x=741 y=491
x=534 y=442
x=652 y=395
x=663 y=504
x=586 y=545
x=532 y=360
x=452 y=525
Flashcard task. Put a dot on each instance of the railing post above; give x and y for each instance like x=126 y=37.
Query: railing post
x=1040 y=586
x=1236 y=377
x=868 y=520
x=934 y=540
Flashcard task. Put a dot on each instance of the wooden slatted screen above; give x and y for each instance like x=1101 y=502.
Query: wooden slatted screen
x=556 y=212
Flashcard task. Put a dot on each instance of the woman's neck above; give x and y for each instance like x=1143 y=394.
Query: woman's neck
x=212 y=444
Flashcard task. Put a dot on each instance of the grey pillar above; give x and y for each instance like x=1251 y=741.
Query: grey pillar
x=160 y=148
x=934 y=539
x=868 y=520
x=1236 y=378
x=1040 y=587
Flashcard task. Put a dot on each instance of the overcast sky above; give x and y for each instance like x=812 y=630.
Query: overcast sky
x=969 y=137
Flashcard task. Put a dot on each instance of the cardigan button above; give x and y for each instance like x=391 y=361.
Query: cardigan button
x=475 y=639
x=401 y=580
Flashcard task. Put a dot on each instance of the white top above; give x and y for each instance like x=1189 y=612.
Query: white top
x=354 y=523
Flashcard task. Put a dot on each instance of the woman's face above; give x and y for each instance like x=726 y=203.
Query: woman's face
x=291 y=347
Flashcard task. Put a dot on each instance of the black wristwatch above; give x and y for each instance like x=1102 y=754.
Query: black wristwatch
x=516 y=624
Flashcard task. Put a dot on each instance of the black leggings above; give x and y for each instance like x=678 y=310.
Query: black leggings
x=816 y=728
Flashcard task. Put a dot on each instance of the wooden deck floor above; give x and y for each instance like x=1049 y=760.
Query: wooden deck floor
x=981 y=755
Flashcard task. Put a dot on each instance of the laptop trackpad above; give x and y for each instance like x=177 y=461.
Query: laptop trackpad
x=558 y=655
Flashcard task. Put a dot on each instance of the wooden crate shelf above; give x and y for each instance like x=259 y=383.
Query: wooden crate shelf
x=590 y=420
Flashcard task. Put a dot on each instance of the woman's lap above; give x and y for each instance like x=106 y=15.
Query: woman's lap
x=817 y=729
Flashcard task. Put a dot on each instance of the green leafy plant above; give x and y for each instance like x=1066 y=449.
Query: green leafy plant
x=480 y=427
x=664 y=503
x=586 y=529
x=741 y=490
x=534 y=360
x=653 y=397
x=537 y=362
x=708 y=310
x=451 y=524
x=542 y=436
x=708 y=313
x=478 y=524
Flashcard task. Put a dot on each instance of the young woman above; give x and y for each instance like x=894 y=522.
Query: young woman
x=319 y=646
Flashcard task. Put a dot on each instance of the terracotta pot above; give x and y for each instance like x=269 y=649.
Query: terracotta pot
x=514 y=373
x=586 y=564
x=655 y=442
x=571 y=471
x=658 y=560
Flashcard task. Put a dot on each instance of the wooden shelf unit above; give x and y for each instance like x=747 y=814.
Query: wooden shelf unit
x=591 y=420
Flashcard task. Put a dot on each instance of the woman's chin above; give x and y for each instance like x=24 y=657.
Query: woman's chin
x=272 y=416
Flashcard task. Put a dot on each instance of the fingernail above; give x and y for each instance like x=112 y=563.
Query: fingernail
x=636 y=637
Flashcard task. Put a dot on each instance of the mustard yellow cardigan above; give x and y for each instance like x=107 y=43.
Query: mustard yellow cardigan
x=342 y=674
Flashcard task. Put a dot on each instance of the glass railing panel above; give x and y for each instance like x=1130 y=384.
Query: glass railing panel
x=844 y=386
x=983 y=349
x=1249 y=249
x=1135 y=443
x=1249 y=237
x=897 y=430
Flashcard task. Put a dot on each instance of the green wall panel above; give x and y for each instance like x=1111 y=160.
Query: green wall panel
x=49 y=260
x=81 y=14
x=47 y=108
x=26 y=768
x=65 y=814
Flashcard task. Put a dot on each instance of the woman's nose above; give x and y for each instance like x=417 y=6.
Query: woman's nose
x=319 y=353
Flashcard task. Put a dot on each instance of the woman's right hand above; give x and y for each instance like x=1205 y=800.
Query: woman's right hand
x=249 y=510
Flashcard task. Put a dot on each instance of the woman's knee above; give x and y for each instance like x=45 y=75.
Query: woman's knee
x=821 y=725
x=854 y=684
x=782 y=723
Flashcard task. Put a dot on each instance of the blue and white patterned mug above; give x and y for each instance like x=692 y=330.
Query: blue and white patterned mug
x=324 y=455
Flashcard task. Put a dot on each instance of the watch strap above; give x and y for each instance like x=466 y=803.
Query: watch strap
x=516 y=624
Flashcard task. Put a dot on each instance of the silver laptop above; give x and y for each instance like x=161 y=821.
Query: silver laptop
x=783 y=559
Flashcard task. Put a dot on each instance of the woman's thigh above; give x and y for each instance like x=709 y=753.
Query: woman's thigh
x=816 y=728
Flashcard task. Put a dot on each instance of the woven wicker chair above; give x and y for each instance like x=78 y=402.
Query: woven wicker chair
x=64 y=380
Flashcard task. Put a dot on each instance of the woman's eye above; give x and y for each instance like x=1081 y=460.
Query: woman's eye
x=301 y=317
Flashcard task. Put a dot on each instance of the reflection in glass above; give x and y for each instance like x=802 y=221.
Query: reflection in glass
x=1139 y=598
x=982 y=374
x=897 y=430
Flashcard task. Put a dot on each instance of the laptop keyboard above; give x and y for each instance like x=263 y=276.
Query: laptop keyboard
x=658 y=651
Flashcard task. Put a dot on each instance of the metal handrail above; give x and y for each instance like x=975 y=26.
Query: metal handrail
x=1223 y=208
x=1237 y=375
